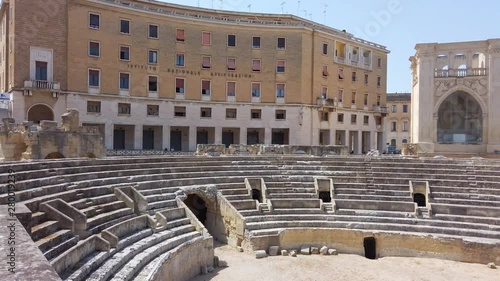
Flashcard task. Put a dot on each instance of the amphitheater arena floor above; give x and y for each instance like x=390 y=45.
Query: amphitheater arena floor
x=244 y=267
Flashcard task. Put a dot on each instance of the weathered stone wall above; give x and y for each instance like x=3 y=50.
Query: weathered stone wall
x=185 y=262
x=387 y=244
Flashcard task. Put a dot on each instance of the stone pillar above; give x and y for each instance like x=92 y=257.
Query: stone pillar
x=218 y=135
x=138 y=136
x=192 y=138
x=360 y=142
x=243 y=135
x=108 y=135
x=165 y=131
x=268 y=136
x=347 y=139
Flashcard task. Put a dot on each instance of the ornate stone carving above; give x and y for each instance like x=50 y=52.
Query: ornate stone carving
x=476 y=85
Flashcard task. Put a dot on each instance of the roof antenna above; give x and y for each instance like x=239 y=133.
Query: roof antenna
x=282 y=4
x=298 y=7
x=324 y=13
x=249 y=7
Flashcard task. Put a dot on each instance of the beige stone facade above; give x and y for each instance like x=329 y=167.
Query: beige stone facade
x=455 y=97
x=163 y=76
x=398 y=119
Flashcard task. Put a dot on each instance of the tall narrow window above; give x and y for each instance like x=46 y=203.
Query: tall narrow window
x=281 y=43
x=354 y=76
x=206 y=62
x=280 y=90
x=93 y=78
x=340 y=95
x=153 y=31
x=124 y=81
x=379 y=81
x=325 y=70
x=280 y=66
x=405 y=108
x=124 y=26
x=180 y=35
x=153 y=84
x=366 y=79
x=325 y=48
x=41 y=70
x=379 y=62
x=341 y=74
x=94 y=49
x=256 y=65
x=255 y=90
x=153 y=56
x=256 y=42
x=231 y=40
x=353 y=97
x=365 y=100
x=179 y=60
x=206 y=38
x=94 y=21
x=125 y=53
x=179 y=85
x=231 y=89
x=205 y=87
x=231 y=64
x=324 y=92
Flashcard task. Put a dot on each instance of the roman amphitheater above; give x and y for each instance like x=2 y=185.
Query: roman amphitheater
x=159 y=217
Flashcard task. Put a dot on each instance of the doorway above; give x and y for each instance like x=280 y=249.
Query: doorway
x=370 y=248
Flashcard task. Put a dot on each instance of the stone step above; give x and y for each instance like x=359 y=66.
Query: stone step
x=108 y=216
x=227 y=192
x=288 y=217
x=95 y=210
x=60 y=248
x=44 y=229
x=100 y=227
x=98 y=200
x=244 y=204
x=134 y=266
x=356 y=212
x=473 y=195
x=164 y=190
x=291 y=190
x=373 y=197
x=469 y=202
x=291 y=195
x=375 y=191
x=177 y=223
x=38 y=218
x=295 y=203
x=160 y=197
x=51 y=240
x=238 y=196
x=469 y=219
x=162 y=205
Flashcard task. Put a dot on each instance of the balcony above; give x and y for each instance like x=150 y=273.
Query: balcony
x=42 y=85
x=379 y=110
x=447 y=73
x=365 y=64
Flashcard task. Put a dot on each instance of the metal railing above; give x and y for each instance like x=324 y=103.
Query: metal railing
x=42 y=84
x=445 y=73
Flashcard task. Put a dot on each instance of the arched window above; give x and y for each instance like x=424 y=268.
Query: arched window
x=40 y=112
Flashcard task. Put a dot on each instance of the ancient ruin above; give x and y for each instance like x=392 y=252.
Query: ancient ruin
x=48 y=140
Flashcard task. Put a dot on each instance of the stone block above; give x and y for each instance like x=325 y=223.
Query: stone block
x=492 y=265
x=204 y=270
x=216 y=261
x=323 y=250
x=305 y=250
x=293 y=253
x=223 y=263
x=210 y=269
x=315 y=250
x=332 y=252
x=284 y=253
x=260 y=254
x=239 y=249
x=273 y=250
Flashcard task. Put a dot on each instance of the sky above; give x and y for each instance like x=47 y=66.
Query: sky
x=396 y=24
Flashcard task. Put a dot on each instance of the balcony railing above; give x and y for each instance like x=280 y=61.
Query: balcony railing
x=445 y=73
x=366 y=64
x=380 y=109
x=42 y=85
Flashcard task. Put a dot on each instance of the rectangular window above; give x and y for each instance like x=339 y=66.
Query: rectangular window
x=365 y=100
x=125 y=53
x=93 y=106
x=281 y=44
x=41 y=70
x=256 y=42
x=206 y=38
x=353 y=98
x=94 y=49
x=94 y=21
x=405 y=126
x=324 y=92
x=153 y=110
x=180 y=35
x=256 y=65
x=341 y=74
x=179 y=85
x=179 y=60
x=280 y=114
x=231 y=40
x=379 y=81
x=180 y=111
x=340 y=95
x=206 y=62
x=124 y=81
x=354 y=119
x=205 y=87
x=153 y=84
x=231 y=113
x=379 y=62
x=280 y=66
x=340 y=118
x=255 y=113
x=394 y=108
x=255 y=90
x=280 y=90
x=231 y=64
x=206 y=112
x=393 y=127
x=325 y=48
x=366 y=79
x=153 y=56
x=124 y=108
x=153 y=31
x=354 y=76
x=405 y=108
x=94 y=77
x=325 y=71
x=366 y=120
x=124 y=26
x=378 y=100
x=231 y=89
x=324 y=116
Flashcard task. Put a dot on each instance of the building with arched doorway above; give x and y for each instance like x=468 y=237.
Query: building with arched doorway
x=455 y=97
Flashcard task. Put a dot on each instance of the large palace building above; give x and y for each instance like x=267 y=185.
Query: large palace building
x=167 y=77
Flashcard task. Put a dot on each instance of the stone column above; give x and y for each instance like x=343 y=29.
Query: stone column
x=218 y=135
x=243 y=135
x=268 y=136
x=192 y=138
x=108 y=135
x=138 y=136
x=165 y=131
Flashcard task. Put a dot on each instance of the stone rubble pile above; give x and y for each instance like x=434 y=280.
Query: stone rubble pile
x=304 y=250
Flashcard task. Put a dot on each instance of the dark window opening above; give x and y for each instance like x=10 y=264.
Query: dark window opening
x=419 y=198
x=199 y=208
x=370 y=248
x=257 y=195
x=325 y=196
